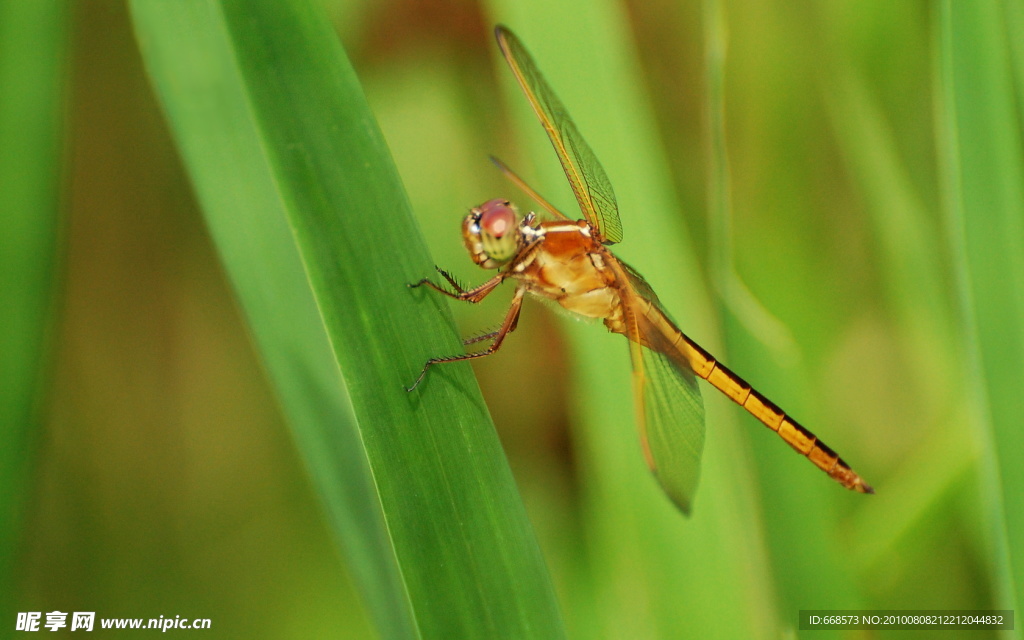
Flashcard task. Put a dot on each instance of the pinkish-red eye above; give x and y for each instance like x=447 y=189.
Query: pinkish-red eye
x=497 y=218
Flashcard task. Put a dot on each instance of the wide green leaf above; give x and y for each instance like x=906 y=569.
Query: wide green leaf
x=317 y=236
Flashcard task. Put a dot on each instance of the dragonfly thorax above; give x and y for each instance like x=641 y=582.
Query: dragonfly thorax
x=494 y=233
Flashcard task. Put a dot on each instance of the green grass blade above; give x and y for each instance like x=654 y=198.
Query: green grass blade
x=32 y=72
x=276 y=133
x=980 y=137
x=268 y=276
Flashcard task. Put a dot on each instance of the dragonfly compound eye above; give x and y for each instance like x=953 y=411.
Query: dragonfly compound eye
x=498 y=227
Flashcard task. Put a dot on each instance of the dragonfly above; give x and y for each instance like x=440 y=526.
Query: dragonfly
x=569 y=261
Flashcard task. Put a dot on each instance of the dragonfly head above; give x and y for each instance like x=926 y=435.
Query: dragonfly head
x=492 y=233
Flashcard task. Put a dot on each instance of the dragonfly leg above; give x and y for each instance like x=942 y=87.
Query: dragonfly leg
x=507 y=327
x=451 y=279
x=490 y=334
x=474 y=295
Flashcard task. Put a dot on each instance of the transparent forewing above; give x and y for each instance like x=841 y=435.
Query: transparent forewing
x=586 y=175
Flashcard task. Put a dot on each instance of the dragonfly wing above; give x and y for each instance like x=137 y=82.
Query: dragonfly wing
x=589 y=182
x=670 y=414
x=670 y=411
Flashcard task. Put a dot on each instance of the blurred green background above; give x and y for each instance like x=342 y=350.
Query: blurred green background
x=825 y=195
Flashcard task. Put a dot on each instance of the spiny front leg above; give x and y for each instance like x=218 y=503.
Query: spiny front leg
x=473 y=295
x=507 y=327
